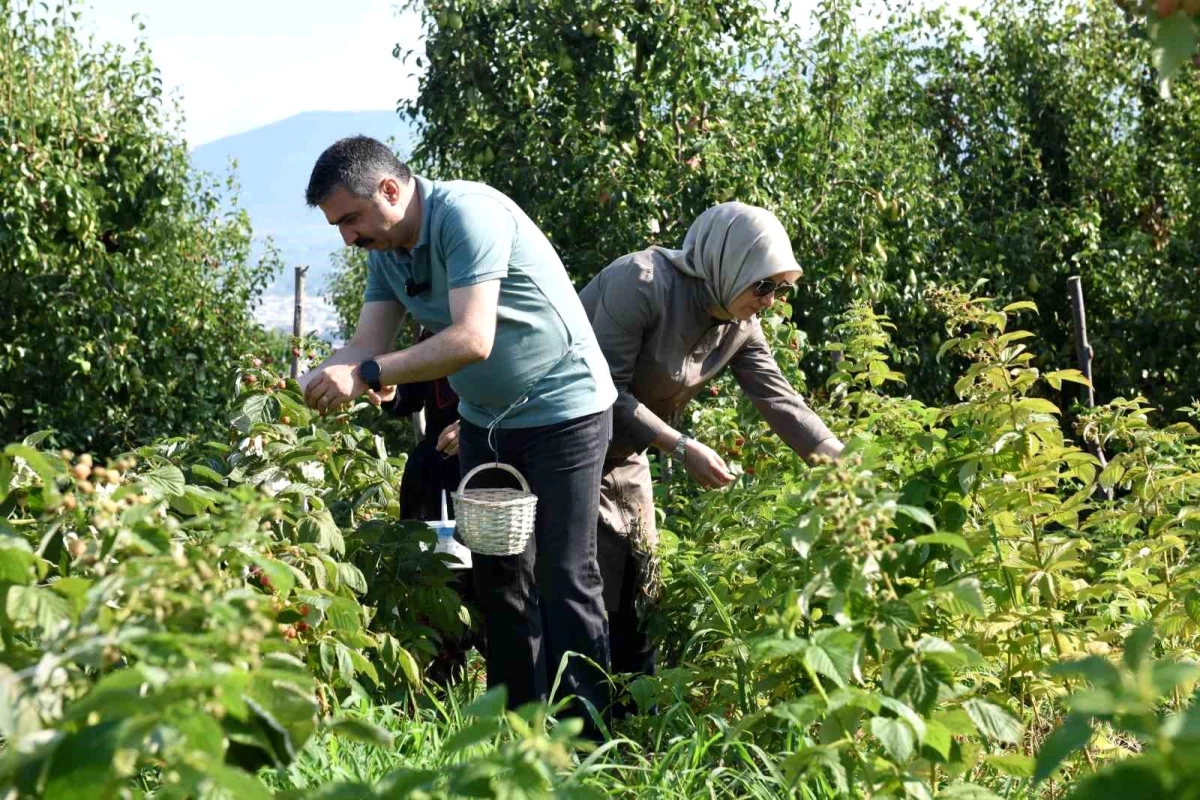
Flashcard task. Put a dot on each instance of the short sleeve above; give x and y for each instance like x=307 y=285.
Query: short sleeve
x=476 y=239
x=377 y=285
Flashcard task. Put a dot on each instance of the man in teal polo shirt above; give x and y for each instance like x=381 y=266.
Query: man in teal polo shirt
x=517 y=346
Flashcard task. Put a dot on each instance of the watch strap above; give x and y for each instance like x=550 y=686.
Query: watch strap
x=679 y=451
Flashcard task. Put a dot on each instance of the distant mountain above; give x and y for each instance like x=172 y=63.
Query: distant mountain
x=273 y=165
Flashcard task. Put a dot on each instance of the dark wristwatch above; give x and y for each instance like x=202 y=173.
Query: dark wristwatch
x=369 y=372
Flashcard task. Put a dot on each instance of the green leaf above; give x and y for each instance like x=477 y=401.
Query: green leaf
x=1020 y=305
x=118 y=694
x=257 y=408
x=938 y=738
x=803 y=537
x=341 y=790
x=282 y=579
x=963 y=597
x=233 y=781
x=81 y=767
x=1056 y=377
x=74 y=589
x=207 y=474
x=1174 y=41
x=344 y=615
x=946 y=345
x=801 y=713
x=1094 y=669
x=404 y=782
x=931 y=647
x=919 y=514
x=362 y=731
x=298 y=414
x=37 y=608
x=823 y=757
x=967 y=791
x=489 y=705
x=1015 y=764
x=162 y=481
x=285 y=705
x=351 y=576
x=966 y=476
x=896 y=736
x=45 y=468
x=921 y=679
x=202 y=733
x=1136 y=779
x=1111 y=475
x=1037 y=405
x=905 y=713
x=194 y=500
x=1168 y=675
x=1138 y=646
x=16 y=561
x=319 y=528
x=1191 y=604
x=947 y=539
x=831 y=653
x=476 y=733
x=993 y=722
x=1072 y=735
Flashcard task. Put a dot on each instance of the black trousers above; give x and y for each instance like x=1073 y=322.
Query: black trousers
x=623 y=570
x=547 y=601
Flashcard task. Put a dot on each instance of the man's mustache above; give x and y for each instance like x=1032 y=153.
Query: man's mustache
x=363 y=241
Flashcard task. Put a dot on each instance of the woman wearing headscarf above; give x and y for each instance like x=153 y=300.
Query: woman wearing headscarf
x=668 y=322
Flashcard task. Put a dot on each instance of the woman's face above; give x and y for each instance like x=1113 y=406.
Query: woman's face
x=761 y=296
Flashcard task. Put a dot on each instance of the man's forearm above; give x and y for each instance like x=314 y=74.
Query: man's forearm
x=436 y=357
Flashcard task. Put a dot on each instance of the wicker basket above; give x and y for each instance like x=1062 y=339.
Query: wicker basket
x=495 y=522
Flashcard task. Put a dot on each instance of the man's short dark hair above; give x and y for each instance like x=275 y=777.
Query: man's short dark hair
x=357 y=163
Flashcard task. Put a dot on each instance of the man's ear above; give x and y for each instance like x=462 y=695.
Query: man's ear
x=390 y=188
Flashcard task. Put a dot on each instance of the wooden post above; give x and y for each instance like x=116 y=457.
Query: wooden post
x=1083 y=350
x=298 y=318
x=1084 y=354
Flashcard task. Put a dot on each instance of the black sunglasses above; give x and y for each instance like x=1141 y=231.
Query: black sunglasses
x=767 y=286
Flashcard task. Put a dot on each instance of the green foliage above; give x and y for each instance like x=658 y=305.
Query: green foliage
x=921 y=618
x=345 y=286
x=127 y=286
x=1014 y=148
x=192 y=610
x=902 y=621
x=1170 y=25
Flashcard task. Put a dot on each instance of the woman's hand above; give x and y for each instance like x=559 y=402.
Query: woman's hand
x=830 y=449
x=448 y=439
x=705 y=466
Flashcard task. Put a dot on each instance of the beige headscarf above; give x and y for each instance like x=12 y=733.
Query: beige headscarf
x=732 y=246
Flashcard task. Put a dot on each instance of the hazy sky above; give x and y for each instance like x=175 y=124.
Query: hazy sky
x=240 y=64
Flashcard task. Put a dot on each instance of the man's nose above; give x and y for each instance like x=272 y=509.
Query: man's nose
x=348 y=235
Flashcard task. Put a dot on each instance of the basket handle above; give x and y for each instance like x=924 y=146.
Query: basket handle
x=494 y=465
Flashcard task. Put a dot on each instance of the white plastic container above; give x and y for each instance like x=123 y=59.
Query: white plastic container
x=446 y=543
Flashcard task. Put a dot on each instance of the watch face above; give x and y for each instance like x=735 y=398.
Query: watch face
x=369 y=371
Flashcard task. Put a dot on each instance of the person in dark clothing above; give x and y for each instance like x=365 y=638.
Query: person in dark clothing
x=431 y=469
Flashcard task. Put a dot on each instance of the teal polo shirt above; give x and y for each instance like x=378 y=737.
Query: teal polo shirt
x=544 y=345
